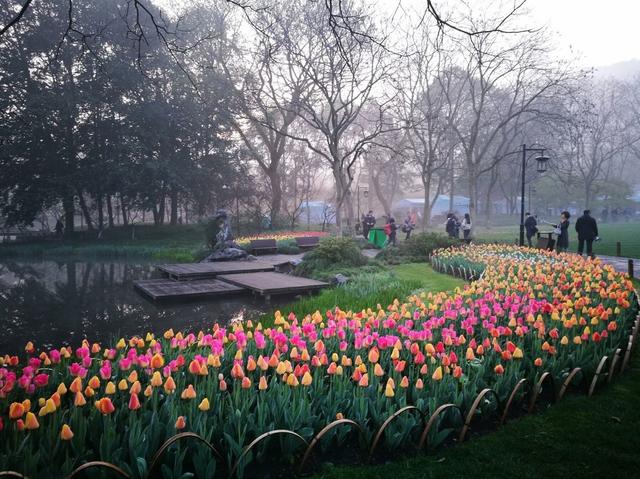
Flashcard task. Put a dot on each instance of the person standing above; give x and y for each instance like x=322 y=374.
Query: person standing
x=466 y=227
x=562 y=230
x=390 y=229
x=368 y=222
x=59 y=228
x=451 y=226
x=408 y=226
x=530 y=226
x=587 y=229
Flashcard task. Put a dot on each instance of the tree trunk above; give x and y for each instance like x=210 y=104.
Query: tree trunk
x=123 y=210
x=69 y=213
x=380 y=194
x=100 y=212
x=85 y=211
x=426 y=208
x=109 y=211
x=174 y=206
x=276 y=196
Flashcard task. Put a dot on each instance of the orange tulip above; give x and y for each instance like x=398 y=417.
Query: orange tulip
x=134 y=402
x=31 y=422
x=246 y=383
x=499 y=369
x=307 y=379
x=189 y=392
x=262 y=385
x=169 y=385
x=437 y=374
x=79 y=400
x=16 y=410
x=66 y=433
x=105 y=406
x=181 y=422
x=157 y=361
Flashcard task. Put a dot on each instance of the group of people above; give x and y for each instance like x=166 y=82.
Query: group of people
x=453 y=226
x=390 y=227
x=586 y=227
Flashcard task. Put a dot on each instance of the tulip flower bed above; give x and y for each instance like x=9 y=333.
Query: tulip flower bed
x=382 y=380
x=281 y=236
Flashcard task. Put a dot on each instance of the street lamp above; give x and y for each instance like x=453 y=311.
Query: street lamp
x=541 y=167
x=365 y=193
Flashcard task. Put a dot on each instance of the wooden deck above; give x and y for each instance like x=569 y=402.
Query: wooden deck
x=269 y=283
x=191 y=271
x=166 y=288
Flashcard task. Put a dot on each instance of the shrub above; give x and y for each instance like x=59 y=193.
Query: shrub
x=332 y=253
x=418 y=248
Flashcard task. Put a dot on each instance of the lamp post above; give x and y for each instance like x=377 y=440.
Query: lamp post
x=541 y=167
x=365 y=193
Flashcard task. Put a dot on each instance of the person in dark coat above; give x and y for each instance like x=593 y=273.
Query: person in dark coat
x=408 y=226
x=368 y=222
x=587 y=229
x=452 y=226
x=530 y=227
x=563 y=236
x=59 y=228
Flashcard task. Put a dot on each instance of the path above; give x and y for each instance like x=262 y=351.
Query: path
x=621 y=264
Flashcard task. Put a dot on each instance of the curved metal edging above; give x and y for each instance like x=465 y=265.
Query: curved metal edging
x=567 y=381
x=387 y=422
x=260 y=438
x=594 y=381
x=92 y=464
x=425 y=433
x=627 y=354
x=322 y=432
x=538 y=387
x=177 y=437
x=12 y=474
x=512 y=396
x=472 y=411
x=614 y=361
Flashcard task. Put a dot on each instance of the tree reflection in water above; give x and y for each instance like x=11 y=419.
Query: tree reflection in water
x=55 y=304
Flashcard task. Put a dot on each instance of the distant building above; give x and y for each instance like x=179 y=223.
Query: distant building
x=440 y=207
x=317 y=212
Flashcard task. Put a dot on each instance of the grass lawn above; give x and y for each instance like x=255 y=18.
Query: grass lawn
x=628 y=234
x=581 y=437
x=369 y=289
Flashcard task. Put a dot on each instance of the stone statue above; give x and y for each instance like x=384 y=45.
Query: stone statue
x=223 y=246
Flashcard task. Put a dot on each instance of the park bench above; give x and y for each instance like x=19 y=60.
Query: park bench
x=263 y=246
x=307 y=242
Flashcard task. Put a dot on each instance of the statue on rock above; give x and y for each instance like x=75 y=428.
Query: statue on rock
x=221 y=240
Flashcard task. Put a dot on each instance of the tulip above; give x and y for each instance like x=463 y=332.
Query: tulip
x=134 y=402
x=388 y=391
x=122 y=385
x=419 y=384
x=307 y=379
x=66 y=434
x=16 y=410
x=94 y=382
x=62 y=389
x=437 y=375
x=374 y=355
x=499 y=369
x=364 y=381
x=188 y=392
x=31 y=422
x=517 y=353
x=157 y=361
x=262 y=385
x=377 y=370
x=246 y=383
x=79 y=400
x=110 y=388
x=169 y=385
x=76 y=385
x=181 y=422
x=105 y=406
x=204 y=405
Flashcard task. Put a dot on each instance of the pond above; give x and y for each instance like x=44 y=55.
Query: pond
x=60 y=303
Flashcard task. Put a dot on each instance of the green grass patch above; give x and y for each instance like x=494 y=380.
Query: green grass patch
x=611 y=233
x=582 y=437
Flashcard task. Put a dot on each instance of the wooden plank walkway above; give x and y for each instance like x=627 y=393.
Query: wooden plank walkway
x=268 y=283
x=191 y=271
x=167 y=288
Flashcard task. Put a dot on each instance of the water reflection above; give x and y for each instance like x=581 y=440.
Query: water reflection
x=59 y=303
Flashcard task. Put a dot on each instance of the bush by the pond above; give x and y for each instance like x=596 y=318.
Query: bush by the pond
x=331 y=253
x=416 y=249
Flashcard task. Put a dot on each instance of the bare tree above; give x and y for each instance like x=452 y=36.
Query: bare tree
x=345 y=76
